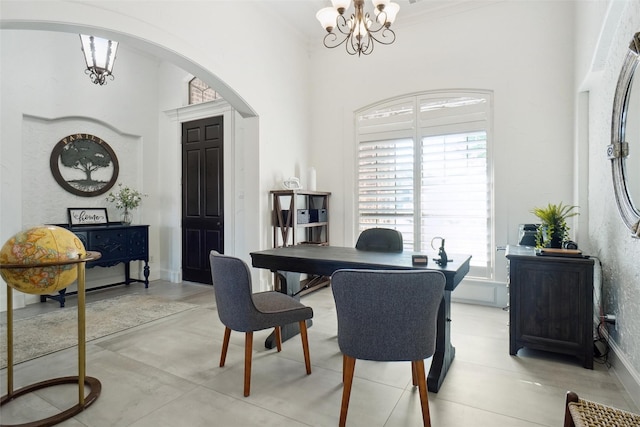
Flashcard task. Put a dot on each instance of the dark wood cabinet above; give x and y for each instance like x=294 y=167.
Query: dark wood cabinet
x=117 y=243
x=551 y=303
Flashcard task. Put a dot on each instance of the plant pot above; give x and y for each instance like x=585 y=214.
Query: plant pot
x=554 y=240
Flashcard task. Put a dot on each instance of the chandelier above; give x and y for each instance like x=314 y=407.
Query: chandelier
x=99 y=55
x=359 y=31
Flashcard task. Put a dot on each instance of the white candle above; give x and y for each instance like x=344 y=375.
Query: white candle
x=312 y=179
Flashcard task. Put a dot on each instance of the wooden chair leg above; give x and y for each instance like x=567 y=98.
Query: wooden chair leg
x=568 y=419
x=278 y=337
x=349 y=364
x=305 y=345
x=344 y=367
x=248 y=348
x=422 y=388
x=414 y=377
x=225 y=346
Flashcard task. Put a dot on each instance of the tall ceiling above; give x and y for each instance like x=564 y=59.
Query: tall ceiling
x=301 y=14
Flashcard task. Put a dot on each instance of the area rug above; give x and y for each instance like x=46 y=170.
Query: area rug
x=57 y=330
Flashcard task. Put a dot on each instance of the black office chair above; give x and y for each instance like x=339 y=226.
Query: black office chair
x=380 y=240
x=405 y=304
x=242 y=311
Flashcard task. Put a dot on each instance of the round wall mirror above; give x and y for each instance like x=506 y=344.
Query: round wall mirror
x=624 y=150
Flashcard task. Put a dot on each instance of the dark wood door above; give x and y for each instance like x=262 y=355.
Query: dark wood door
x=202 y=196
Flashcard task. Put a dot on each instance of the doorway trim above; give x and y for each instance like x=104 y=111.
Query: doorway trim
x=195 y=112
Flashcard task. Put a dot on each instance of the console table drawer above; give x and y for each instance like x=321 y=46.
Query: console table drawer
x=112 y=244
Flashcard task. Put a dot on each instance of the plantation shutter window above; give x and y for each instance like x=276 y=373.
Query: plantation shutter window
x=423 y=169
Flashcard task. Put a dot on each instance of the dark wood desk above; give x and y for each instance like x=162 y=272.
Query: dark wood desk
x=289 y=262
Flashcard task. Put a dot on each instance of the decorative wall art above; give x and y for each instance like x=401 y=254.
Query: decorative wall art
x=84 y=165
x=88 y=216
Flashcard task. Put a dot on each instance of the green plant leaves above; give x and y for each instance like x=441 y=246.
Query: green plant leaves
x=554 y=223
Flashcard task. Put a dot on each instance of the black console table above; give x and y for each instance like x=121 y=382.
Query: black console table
x=117 y=243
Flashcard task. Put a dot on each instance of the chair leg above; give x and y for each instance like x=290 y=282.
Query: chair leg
x=278 y=336
x=414 y=377
x=344 y=367
x=418 y=365
x=349 y=364
x=305 y=345
x=248 y=348
x=568 y=419
x=225 y=346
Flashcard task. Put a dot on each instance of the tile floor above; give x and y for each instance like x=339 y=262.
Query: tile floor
x=165 y=373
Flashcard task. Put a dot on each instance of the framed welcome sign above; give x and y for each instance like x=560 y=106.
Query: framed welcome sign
x=87 y=216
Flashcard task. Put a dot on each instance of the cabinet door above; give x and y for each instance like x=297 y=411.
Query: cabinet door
x=138 y=243
x=551 y=304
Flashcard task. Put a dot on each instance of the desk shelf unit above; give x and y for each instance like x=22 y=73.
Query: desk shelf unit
x=551 y=303
x=301 y=217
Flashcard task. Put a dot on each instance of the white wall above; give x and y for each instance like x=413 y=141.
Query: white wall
x=269 y=89
x=604 y=32
x=521 y=51
x=45 y=97
x=535 y=56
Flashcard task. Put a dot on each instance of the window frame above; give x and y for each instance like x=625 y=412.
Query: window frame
x=398 y=128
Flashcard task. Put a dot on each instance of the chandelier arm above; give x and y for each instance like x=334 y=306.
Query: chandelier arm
x=366 y=47
x=353 y=46
x=387 y=35
x=331 y=40
x=343 y=25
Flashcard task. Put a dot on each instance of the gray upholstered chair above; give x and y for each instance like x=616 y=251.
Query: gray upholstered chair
x=387 y=316
x=242 y=311
x=380 y=240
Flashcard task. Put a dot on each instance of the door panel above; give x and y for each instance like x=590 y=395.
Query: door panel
x=203 y=198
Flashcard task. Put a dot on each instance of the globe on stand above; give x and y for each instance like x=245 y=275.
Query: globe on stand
x=36 y=248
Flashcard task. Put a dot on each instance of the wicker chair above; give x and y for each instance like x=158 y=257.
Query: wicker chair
x=387 y=316
x=242 y=311
x=585 y=413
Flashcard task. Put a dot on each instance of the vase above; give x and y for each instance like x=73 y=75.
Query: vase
x=126 y=217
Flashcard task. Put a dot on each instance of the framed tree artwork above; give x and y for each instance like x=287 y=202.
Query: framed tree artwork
x=84 y=165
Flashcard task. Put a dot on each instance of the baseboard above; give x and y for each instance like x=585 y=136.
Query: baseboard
x=481 y=292
x=628 y=376
x=172 y=276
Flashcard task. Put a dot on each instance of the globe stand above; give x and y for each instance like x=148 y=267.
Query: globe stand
x=81 y=379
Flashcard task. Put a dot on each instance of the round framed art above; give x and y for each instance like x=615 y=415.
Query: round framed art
x=84 y=165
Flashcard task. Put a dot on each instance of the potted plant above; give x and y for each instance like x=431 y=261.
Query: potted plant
x=553 y=231
x=127 y=199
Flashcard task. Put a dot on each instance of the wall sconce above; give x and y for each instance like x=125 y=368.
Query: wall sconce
x=99 y=55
